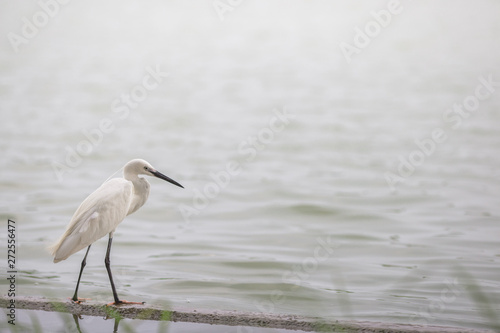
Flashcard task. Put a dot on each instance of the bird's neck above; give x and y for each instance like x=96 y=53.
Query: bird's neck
x=132 y=176
x=141 y=193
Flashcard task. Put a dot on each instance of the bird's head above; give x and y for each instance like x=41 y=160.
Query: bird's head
x=141 y=167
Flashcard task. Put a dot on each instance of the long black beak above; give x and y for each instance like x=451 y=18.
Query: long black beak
x=162 y=176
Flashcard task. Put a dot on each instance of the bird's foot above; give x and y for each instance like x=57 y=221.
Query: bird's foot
x=123 y=302
x=79 y=300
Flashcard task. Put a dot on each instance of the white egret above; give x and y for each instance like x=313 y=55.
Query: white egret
x=102 y=211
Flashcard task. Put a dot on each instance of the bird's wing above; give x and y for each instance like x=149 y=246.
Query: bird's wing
x=98 y=215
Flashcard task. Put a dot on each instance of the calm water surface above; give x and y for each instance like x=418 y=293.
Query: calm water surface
x=364 y=189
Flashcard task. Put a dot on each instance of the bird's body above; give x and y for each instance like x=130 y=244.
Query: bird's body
x=99 y=214
x=103 y=210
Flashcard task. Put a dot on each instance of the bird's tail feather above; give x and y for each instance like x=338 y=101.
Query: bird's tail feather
x=53 y=248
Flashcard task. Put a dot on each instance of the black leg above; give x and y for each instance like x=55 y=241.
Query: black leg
x=84 y=262
x=108 y=268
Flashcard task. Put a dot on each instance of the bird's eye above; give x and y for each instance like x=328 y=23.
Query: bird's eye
x=146 y=168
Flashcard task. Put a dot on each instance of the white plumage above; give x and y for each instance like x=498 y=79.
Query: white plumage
x=103 y=210
x=98 y=215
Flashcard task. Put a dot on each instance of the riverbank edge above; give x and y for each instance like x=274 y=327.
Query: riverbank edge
x=218 y=317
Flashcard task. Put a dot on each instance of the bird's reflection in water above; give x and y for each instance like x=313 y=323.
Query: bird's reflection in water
x=117 y=320
x=77 y=323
